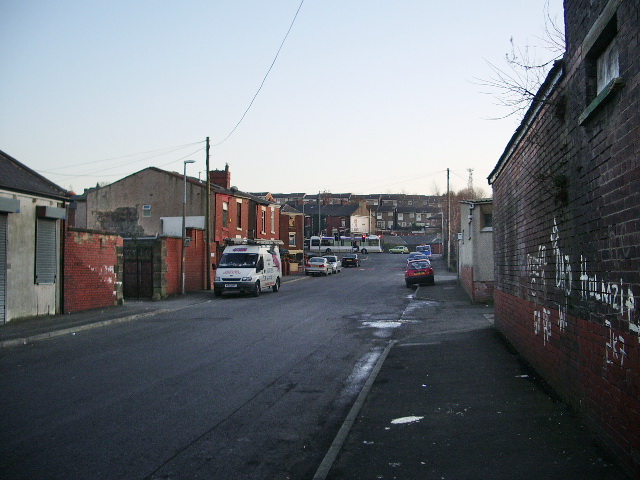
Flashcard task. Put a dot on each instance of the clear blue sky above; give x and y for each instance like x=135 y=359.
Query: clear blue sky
x=365 y=97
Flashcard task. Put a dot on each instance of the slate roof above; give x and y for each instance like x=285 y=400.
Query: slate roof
x=331 y=210
x=17 y=177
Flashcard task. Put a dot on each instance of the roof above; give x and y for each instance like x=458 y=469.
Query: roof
x=290 y=210
x=331 y=210
x=233 y=191
x=17 y=177
x=478 y=201
x=554 y=76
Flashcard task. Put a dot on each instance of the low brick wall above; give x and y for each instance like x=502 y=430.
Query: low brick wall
x=92 y=270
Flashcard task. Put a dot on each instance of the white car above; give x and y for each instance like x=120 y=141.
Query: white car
x=318 y=266
x=335 y=264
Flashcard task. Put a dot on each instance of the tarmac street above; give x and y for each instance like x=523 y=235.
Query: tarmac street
x=439 y=394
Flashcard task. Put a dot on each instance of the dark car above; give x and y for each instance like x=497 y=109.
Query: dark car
x=350 y=260
x=419 y=272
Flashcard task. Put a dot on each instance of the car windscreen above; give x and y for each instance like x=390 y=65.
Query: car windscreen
x=418 y=265
x=238 y=260
x=317 y=260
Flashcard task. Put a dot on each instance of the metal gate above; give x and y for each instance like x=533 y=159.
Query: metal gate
x=3 y=266
x=138 y=270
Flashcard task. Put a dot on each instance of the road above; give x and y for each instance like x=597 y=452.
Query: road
x=239 y=387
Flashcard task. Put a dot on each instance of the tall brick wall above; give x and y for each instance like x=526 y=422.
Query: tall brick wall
x=567 y=238
x=195 y=266
x=92 y=270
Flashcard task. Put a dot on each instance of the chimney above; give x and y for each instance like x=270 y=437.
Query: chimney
x=222 y=178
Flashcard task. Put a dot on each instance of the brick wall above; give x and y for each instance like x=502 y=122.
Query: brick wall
x=567 y=237
x=92 y=270
x=195 y=264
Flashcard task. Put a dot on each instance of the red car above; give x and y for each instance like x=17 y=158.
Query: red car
x=419 y=272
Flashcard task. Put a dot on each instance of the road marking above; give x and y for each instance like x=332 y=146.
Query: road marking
x=338 y=442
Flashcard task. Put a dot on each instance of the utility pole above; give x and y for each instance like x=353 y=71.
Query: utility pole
x=319 y=223
x=448 y=224
x=208 y=221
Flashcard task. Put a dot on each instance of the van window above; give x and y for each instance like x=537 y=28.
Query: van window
x=238 y=260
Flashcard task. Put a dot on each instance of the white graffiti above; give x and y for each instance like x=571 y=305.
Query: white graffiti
x=615 y=347
x=535 y=266
x=612 y=294
x=542 y=323
x=562 y=317
x=618 y=296
x=564 y=275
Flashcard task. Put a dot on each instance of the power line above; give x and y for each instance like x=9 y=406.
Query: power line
x=163 y=151
x=263 y=80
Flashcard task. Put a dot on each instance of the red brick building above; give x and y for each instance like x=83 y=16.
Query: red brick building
x=566 y=225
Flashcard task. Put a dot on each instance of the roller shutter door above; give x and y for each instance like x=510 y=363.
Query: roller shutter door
x=3 y=266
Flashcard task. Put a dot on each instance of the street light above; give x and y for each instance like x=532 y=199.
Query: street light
x=184 y=229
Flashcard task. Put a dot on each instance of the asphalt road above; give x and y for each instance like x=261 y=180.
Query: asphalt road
x=239 y=387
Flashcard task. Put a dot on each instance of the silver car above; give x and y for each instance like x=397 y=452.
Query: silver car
x=335 y=264
x=317 y=266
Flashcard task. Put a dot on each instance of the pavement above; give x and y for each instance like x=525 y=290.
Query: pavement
x=456 y=404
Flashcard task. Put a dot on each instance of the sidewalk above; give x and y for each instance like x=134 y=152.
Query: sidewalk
x=18 y=332
x=461 y=405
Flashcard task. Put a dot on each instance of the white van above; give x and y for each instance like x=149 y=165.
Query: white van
x=248 y=266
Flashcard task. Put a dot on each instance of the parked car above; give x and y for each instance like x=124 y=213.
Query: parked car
x=336 y=267
x=416 y=256
x=399 y=249
x=350 y=260
x=419 y=272
x=317 y=266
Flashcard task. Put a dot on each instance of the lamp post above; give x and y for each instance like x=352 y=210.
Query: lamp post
x=184 y=229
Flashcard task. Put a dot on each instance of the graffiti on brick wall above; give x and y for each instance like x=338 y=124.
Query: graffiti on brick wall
x=542 y=323
x=617 y=296
x=615 y=352
x=564 y=275
x=535 y=266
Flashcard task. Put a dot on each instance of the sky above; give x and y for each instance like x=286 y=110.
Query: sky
x=374 y=96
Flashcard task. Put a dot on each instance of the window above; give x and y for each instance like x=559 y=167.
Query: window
x=263 y=228
x=292 y=221
x=487 y=219
x=239 y=214
x=343 y=222
x=273 y=220
x=292 y=239
x=225 y=214
x=400 y=217
x=146 y=210
x=46 y=258
x=601 y=61
x=607 y=66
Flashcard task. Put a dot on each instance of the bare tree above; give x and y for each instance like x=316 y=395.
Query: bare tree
x=516 y=86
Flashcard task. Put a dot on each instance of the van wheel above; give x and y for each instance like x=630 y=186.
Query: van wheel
x=217 y=293
x=328 y=250
x=364 y=251
x=256 y=289
x=276 y=286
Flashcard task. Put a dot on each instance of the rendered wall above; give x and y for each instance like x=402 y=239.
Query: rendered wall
x=25 y=298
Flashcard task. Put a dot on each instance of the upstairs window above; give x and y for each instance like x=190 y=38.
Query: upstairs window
x=602 y=60
x=225 y=214
x=146 y=210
